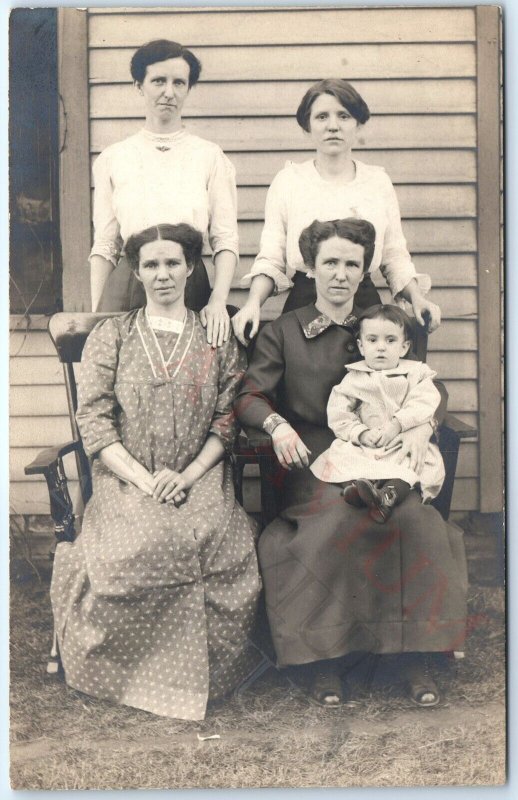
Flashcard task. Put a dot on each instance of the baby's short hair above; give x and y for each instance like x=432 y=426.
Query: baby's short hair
x=392 y=313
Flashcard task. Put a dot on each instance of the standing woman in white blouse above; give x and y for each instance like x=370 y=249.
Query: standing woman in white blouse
x=331 y=185
x=164 y=174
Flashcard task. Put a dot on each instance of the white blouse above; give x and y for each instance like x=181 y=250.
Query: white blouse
x=298 y=195
x=150 y=179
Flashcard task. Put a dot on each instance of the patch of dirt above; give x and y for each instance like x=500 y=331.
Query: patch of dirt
x=439 y=718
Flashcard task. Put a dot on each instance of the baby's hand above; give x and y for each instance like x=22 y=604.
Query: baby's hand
x=370 y=438
x=389 y=433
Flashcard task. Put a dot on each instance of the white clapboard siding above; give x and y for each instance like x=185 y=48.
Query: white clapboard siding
x=39 y=431
x=309 y=62
x=234 y=99
x=417 y=70
x=282 y=133
x=118 y=28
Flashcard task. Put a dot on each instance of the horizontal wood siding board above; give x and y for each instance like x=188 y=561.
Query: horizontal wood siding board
x=308 y=62
x=453 y=365
x=35 y=371
x=460 y=302
x=423 y=236
x=415 y=201
x=39 y=431
x=283 y=133
x=38 y=400
x=404 y=166
x=247 y=27
x=28 y=323
x=444 y=269
x=466 y=494
x=235 y=99
x=31 y=343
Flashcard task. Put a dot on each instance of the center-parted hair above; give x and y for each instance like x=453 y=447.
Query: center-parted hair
x=161 y=50
x=392 y=314
x=190 y=240
x=358 y=231
x=342 y=91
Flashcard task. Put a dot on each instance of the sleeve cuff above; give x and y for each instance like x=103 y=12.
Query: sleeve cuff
x=226 y=436
x=109 y=251
x=218 y=247
x=94 y=448
x=281 y=281
x=356 y=432
x=424 y=284
x=273 y=421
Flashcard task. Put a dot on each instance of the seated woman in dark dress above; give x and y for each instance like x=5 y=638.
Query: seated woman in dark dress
x=335 y=585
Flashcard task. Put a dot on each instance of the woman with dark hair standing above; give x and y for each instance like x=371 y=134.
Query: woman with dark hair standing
x=164 y=174
x=332 y=185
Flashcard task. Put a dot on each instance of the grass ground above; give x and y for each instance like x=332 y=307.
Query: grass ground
x=270 y=736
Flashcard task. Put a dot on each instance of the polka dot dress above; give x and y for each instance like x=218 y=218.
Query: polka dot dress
x=154 y=604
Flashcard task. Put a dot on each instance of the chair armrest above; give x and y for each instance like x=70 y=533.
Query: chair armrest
x=252 y=441
x=48 y=457
x=462 y=430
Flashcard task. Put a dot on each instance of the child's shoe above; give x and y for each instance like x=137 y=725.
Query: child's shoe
x=380 y=501
x=351 y=495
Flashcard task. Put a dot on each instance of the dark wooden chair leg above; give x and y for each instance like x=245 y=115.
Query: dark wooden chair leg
x=449 y=443
x=272 y=477
x=61 y=507
x=238 y=466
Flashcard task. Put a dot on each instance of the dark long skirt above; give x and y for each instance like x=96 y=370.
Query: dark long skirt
x=123 y=292
x=303 y=292
x=337 y=582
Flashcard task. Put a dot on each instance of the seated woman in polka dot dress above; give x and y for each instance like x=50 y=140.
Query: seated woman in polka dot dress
x=154 y=601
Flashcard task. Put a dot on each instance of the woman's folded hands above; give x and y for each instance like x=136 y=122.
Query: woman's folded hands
x=170 y=486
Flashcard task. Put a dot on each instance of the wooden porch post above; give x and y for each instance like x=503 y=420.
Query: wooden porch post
x=489 y=257
x=74 y=178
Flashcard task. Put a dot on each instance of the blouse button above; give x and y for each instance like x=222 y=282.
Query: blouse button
x=350 y=347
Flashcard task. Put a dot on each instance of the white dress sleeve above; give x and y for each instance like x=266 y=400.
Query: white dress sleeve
x=342 y=413
x=396 y=265
x=107 y=238
x=271 y=260
x=422 y=400
x=222 y=193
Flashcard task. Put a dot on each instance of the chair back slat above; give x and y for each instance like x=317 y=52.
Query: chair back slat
x=419 y=340
x=69 y=331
